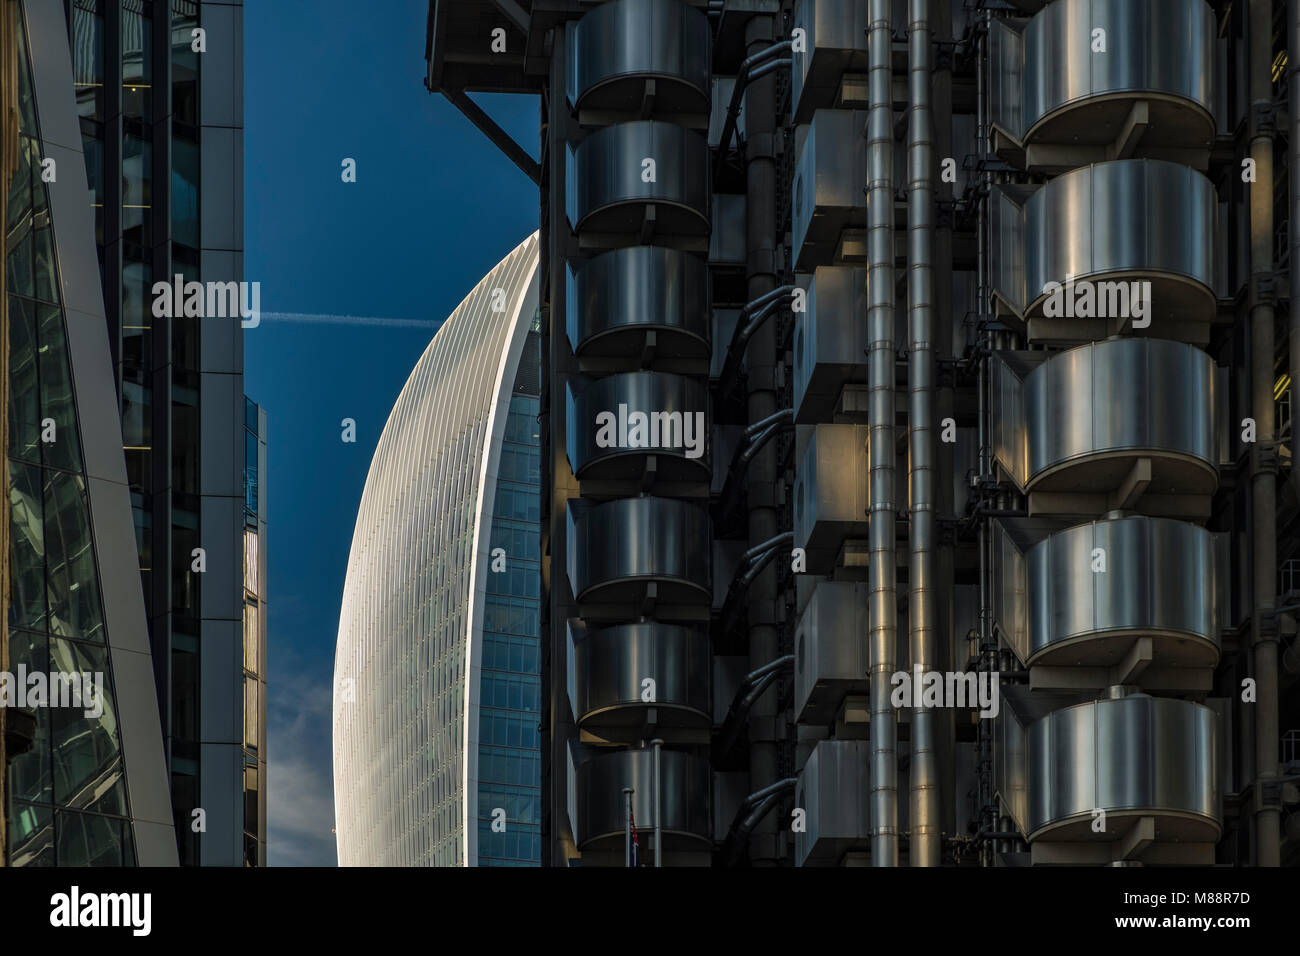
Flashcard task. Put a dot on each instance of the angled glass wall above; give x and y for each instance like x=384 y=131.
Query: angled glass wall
x=67 y=795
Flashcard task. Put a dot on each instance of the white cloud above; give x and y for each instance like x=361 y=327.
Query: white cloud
x=300 y=777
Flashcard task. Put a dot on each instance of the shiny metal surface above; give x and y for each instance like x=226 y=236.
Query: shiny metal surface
x=619 y=45
x=727 y=240
x=881 y=358
x=1135 y=755
x=607 y=191
x=1143 y=218
x=602 y=808
x=1157 y=49
x=1161 y=579
x=830 y=659
x=615 y=298
x=923 y=781
x=1087 y=412
x=828 y=350
x=1009 y=438
x=828 y=181
x=836 y=35
x=615 y=549
x=833 y=789
x=1008 y=580
x=1011 y=767
x=671 y=404
x=609 y=666
x=1006 y=53
x=830 y=493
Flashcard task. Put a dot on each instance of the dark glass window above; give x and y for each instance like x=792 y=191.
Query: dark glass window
x=137 y=329
x=185 y=694
x=251 y=716
x=250 y=472
x=185 y=63
x=250 y=801
x=137 y=190
x=185 y=798
x=92 y=147
x=68 y=800
x=185 y=440
x=185 y=581
x=185 y=191
x=137 y=64
x=88 y=57
x=31 y=835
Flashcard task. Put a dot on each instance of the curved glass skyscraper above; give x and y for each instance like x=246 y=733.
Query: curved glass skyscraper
x=436 y=756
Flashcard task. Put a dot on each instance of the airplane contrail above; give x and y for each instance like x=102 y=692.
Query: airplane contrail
x=326 y=319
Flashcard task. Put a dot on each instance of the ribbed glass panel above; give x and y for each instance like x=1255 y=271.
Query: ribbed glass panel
x=402 y=663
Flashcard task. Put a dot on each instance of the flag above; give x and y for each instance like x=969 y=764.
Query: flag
x=636 y=846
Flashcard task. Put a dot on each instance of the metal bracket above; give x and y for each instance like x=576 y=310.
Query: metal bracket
x=1268 y=794
x=1265 y=113
x=1263 y=287
x=945 y=54
x=1267 y=625
x=1264 y=458
x=945 y=213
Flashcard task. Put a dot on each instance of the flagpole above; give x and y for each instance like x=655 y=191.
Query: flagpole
x=627 y=828
x=659 y=790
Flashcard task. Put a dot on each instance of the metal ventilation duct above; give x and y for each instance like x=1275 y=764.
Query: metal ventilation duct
x=827 y=193
x=829 y=655
x=833 y=791
x=830 y=493
x=836 y=42
x=828 y=351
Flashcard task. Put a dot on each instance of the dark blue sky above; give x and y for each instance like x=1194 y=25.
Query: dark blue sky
x=435 y=206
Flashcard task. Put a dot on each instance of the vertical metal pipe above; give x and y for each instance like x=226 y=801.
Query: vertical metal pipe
x=627 y=826
x=659 y=803
x=8 y=166
x=924 y=807
x=1263 y=483
x=881 y=380
x=985 y=732
x=1293 y=169
x=948 y=651
x=761 y=403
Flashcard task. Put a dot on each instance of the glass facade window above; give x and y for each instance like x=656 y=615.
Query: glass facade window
x=185 y=190
x=137 y=194
x=137 y=61
x=255 y=686
x=185 y=63
x=88 y=57
x=67 y=794
x=510 y=686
